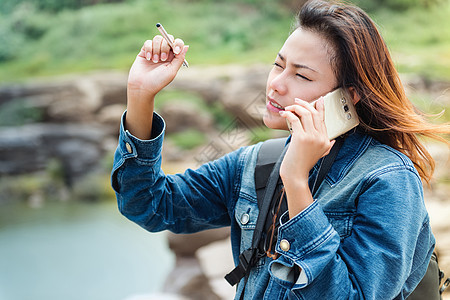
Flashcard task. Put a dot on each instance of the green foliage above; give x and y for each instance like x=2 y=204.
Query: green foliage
x=109 y=35
x=166 y=96
x=36 y=41
x=10 y=43
x=49 y=185
x=19 y=112
x=188 y=139
x=6 y=6
x=397 y=5
x=46 y=184
x=23 y=25
x=93 y=187
x=261 y=133
x=20 y=187
x=419 y=39
x=221 y=117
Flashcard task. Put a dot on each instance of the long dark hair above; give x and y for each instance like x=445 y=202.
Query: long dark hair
x=361 y=60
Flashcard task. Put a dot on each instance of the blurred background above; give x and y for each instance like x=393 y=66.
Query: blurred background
x=63 y=72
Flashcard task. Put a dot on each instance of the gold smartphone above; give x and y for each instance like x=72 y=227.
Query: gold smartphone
x=340 y=113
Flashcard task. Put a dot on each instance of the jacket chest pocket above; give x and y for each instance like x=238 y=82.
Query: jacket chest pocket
x=341 y=222
x=246 y=215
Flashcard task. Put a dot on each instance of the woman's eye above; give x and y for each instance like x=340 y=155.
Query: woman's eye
x=303 y=77
x=277 y=65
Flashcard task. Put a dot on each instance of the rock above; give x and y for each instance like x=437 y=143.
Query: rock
x=81 y=115
x=110 y=116
x=36 y=88
x=244 y=95
x=208 y=82
x=180 y=115
x=188 y=280
x=28 y=148
x=71 y=98
x=20 y=151
x=216 y=260
x=241 y=89
x=188 y=244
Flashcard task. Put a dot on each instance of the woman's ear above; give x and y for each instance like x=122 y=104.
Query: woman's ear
x=355 y=96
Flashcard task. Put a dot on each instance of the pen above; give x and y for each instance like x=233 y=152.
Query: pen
x=169 y=41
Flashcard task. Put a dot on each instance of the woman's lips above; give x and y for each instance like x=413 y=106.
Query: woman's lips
x=273 y=106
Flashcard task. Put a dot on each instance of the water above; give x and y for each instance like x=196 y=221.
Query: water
x=78 y=251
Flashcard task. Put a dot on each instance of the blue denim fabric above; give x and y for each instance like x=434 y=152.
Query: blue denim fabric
x=367 y=236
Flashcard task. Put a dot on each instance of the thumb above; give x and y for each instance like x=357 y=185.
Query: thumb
x=177 y=61
x=329 y=149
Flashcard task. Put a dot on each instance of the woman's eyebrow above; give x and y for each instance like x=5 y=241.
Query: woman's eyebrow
x=297 y=66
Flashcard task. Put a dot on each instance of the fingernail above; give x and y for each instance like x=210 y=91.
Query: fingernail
x=297 y=100
x=177 y=50
x=163 y=56
x=148 y=56
x=155 y=58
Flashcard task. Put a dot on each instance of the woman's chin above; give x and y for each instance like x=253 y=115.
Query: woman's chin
x=275 y=122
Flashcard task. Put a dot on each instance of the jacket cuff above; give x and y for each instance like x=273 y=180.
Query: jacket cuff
x=301 y=242
x=304 y=232
x=131 y=146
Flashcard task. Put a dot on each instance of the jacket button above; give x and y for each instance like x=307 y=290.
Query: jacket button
x=284 y=245
x=128 y=146
x=245 y=218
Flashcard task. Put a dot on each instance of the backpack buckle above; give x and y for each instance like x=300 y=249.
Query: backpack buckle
x=245 y=261
x=444 y=286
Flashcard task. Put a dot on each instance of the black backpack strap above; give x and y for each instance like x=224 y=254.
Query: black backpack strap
x=267 y=199
x=267 y=157
x=248 y=257
x=326 y=163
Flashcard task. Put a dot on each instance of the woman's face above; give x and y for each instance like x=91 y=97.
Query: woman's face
x=301 y=70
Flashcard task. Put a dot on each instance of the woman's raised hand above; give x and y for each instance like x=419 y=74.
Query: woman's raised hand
x=155 y=67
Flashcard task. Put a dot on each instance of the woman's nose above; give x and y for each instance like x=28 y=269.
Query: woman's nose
x=278 y=83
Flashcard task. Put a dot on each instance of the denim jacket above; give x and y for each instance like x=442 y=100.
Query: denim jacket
x=366 y=236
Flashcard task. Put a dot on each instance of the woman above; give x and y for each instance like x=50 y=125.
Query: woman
x=366 y=234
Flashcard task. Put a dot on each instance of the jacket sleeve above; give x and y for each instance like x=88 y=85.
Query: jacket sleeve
x=390 y=244
x=182 y=203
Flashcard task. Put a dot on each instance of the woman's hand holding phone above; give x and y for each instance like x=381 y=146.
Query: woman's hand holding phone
x=154 y=68
x=309 y=142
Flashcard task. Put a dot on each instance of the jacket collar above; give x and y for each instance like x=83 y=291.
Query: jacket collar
x=355 y=144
